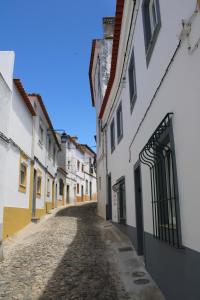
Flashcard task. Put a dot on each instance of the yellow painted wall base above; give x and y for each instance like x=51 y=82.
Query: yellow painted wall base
x=40 y=213
x=78 y=199
x=48 y=207
x=60 y=203
x=86 y=198
x=14 y=219
x=94 y=196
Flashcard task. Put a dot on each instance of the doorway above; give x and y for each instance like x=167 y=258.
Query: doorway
x=109 y=193
x=82 y=193
x=139 y=209
x=67 y=194
x=90 y=190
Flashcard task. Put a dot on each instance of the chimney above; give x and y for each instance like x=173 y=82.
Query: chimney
x=108 y=27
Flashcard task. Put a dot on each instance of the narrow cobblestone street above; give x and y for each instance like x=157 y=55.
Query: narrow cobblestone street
x=73 y=254
x=63 y=260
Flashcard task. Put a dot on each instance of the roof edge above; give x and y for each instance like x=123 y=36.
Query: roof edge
x=24 y=95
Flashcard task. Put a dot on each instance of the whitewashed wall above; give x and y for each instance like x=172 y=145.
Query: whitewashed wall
x=179 y=94
x=5 y=108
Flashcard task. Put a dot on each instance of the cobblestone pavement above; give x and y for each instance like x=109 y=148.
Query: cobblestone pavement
x=63 y=259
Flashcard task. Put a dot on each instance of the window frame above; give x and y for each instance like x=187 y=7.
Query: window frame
x=132 y=81
x=54 y=155
x=78 y=165
x=164 y=182
x=48 y=186
x=41 y=135
x=77 y=188
x=61 y=187
x=39 y=176
x=150 y=38
x=23 y=162
x=49 y=147
x=112 y=135
x=119 y=134
x=86 y=186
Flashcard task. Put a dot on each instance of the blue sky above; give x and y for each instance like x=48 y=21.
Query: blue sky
x=52 y=43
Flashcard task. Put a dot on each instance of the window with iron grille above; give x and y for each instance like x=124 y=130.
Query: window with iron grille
x=120 y=190
x=132 y=81
x=119 y=123
x=151 y=24
x=112 y=135
x=159 y=155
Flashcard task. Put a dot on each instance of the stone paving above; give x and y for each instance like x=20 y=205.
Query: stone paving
x=64 y=258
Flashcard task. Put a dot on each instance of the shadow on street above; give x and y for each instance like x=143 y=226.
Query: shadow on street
x=83 y=272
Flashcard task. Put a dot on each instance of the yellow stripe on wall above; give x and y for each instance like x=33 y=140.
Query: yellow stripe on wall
x=14 y=219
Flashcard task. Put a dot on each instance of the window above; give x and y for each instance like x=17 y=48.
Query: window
x=77 y=188
x=86 y=186
x=119 y=189
x=112 y=135
x=39 y=184
x=151 y=24
x=159 y=155
x=82 y=167
x=132 y=82
x=78 y=165
x=54 y=156
x=119 y=123
x=68 y=164
x=90 y=165
x=41 y=135
x=48 y=187
x=23 y=173
x=61 y=187
x=49 y=147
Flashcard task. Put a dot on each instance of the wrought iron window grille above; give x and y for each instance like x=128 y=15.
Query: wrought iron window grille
x=119 y=188
x=159 y=155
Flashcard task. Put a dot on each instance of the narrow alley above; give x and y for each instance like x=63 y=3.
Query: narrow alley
x=63 y=257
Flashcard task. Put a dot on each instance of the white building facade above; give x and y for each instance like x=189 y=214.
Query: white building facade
x=149 y=116
x=78 y=160
x=6 y=77
x=45 y=149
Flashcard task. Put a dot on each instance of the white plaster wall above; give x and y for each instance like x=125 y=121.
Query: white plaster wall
x=6 y=66
x=5 y=108
x=179 y=94
x=14 y=198
x=21 y=122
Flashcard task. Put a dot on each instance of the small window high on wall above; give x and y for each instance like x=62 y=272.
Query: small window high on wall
x=151 y=25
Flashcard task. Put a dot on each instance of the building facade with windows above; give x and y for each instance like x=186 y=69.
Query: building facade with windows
x=99 y=73
x=18 y=172
x=46 y=148
x=78 y=160
x=149 y=116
